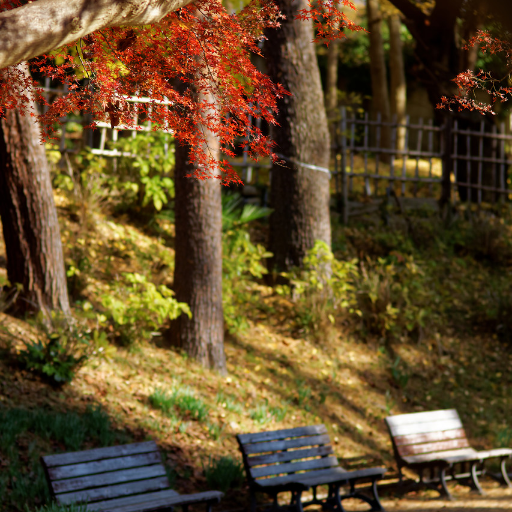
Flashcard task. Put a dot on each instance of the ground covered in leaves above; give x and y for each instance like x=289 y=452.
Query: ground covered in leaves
x=280 y=373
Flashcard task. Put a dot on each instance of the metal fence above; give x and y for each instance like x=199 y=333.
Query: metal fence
x=451 y=162
x=460 y=161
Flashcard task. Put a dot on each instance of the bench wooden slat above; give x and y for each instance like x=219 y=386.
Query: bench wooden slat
x=415 y=418
x=362 y=474
x=123 y=450
x=496 y=452
x=114 y=491
x=293 y=467
x=102 y=466
x=281 y=480
x=451 y=456
x=430 y=437
x=425 y=427
x=417 y=449
x=102 y=479
x=152 y=502
x=318 y=451
x=299 y=442
x=275 y=435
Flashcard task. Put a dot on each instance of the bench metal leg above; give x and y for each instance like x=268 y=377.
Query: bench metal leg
x=445 y=493
x=252 y=498
x=504 y=474
x=475 y=484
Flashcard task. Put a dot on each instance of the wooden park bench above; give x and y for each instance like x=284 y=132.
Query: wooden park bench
x=434 y=445
x=299 y=459
x=125 y=478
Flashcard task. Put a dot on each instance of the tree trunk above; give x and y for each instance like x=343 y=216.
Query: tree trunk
x=198 y=266
x=29 y=218
x=380 y=97
x=331 y=86
x=299 y=195
x=398 y=88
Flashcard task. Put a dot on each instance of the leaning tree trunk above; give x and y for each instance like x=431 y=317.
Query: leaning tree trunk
x=299 y=194
x=380 y=100
x=29 y=217
x=398 y=87
x=198 y=267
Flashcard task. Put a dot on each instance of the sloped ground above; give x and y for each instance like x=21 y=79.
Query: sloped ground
x=277 y=379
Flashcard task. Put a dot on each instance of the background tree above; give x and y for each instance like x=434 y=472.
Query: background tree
x=380 y=95
x=29 y=217
x=398 y=85
x=299 y=195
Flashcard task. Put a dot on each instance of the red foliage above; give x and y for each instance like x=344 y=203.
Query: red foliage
x=199 y=45
x=468 y=82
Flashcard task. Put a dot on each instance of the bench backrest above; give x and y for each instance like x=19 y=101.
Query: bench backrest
x=283 y=452
x=423 y=433
x=105 y=473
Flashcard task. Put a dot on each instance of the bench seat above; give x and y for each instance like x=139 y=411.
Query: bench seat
x=435 y=446
x=297 y=460
x=125 y=478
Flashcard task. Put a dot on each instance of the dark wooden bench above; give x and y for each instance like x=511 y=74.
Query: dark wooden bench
x=434 y=445
x=299 y=459
x=125 y=478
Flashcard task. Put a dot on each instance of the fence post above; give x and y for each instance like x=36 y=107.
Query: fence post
x=447 y=163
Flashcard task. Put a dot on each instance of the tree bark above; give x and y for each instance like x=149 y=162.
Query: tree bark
x=40 y=27
x=298 y=194
x=29 y=217
x=398 y=87
x=198 y=266
x=380 y=96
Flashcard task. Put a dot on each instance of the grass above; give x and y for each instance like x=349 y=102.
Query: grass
x=278 y=377
x=27 y=433
x=182 y=400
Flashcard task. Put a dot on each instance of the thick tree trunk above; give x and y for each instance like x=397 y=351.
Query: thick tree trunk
x=29 y=218
x=198 y=267
x=398 y=87
x=380 y=97
x=299 y=195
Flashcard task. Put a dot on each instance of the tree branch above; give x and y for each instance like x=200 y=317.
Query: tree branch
x=44 y=25
x=409 y=10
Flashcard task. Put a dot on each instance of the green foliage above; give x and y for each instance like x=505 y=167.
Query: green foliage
x=393 y=296
x=224 y=473
x=399 y=373
x=229 y=403
x=242 y=261
x=321 y=288
x=137 y=307
x=182 y=400
x=61 y=349
x=264 y=413
x=145 y=179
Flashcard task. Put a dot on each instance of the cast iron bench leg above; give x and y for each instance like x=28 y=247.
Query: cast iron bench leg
x=445 y=493
x=504 y=474
x=475 y=484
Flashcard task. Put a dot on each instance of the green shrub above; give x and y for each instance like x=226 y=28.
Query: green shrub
x=394 y=297
x=137 y=307
x=321 y=289
x=62 y=348
x=224 y=473
x=182 y=400
x=242 y=262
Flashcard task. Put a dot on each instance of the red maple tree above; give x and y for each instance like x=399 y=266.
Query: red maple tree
x=200 y=44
